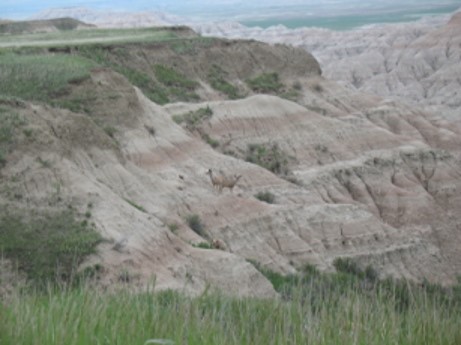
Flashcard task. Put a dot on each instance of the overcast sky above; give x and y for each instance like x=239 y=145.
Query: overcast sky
x=21 y=9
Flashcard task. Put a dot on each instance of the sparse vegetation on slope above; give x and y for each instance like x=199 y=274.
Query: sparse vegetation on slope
x=266 y=83
x=194 y=119
x=191 y=45
x=10 y=122
x=178 y=86
x=217 y=79
x=268 y=156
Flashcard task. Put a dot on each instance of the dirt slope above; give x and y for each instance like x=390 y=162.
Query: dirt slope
x=355 y=175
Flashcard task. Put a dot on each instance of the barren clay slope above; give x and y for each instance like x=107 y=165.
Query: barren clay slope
x=351 y=175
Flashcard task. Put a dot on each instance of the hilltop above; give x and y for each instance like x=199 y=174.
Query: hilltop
x=41 y=26
x=122 y=133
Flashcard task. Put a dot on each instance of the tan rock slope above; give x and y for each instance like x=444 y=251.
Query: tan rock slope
x=353 y=175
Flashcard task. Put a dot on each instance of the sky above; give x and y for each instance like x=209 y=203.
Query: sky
x=230 y=9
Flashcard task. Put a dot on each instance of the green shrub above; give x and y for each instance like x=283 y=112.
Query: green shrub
x=46 y=246
x=347 y=265
x=266 y=83
x=173 y=227
x=210 y=141
x=266 y=197
x=268 y=156
x=194 y=118
x=203 y=245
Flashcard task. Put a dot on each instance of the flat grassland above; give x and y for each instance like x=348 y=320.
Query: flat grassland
x=86 y=36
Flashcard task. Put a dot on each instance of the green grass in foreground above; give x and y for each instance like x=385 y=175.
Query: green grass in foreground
x=351 y=314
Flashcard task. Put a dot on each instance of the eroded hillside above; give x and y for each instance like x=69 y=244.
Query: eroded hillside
x=416 y=63
x=124 y=134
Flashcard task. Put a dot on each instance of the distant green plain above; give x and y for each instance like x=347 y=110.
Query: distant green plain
x=348 y=22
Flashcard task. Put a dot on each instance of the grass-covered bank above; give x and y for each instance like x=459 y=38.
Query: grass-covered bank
x=349 y=315
x=46 y=246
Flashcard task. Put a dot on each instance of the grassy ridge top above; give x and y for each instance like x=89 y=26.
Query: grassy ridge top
x=79 y=37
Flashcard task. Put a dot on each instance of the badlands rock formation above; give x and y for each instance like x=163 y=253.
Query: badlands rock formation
x=417 y=63
x=355 y=175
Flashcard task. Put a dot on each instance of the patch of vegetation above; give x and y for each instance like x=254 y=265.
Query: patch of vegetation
x=195 y=223
x=10 y=122
x=268 y=156
x=110 y=131
x=41 y=77
x=210 y=141
x=136 y=206
x=217 y=80
x=350 y=279
x=316 y=109
x=178 y=86
x=191 y=46
x=173 y=227
x=168 y=85
x=151 y=89
x=48 y=247
x=267 y=197
x=203 y=245
x=266 y=83
x=291 y=95
x=193 y=119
